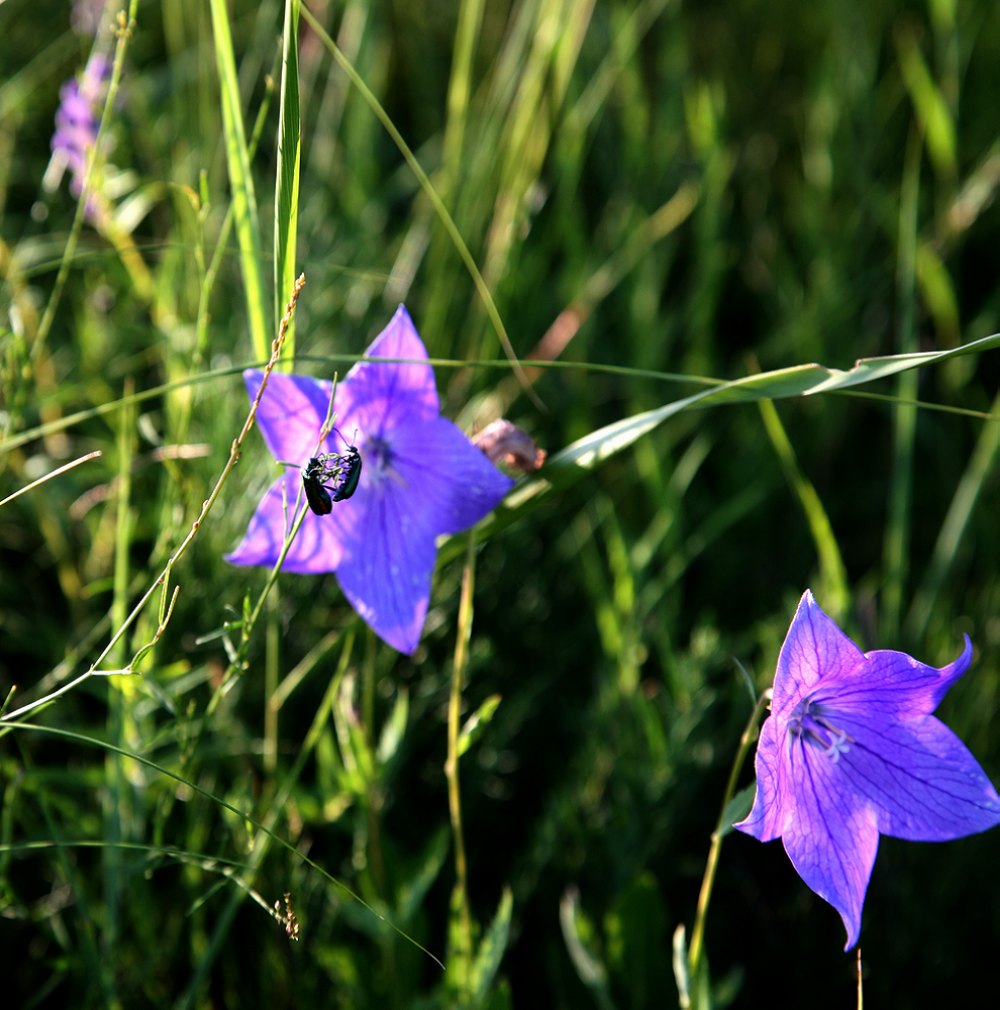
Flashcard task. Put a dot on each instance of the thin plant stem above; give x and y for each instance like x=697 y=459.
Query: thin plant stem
x=373 y=788
x=163 y=579
x=224 y=804
x=54 y=473
x=115 y=800
x=696 y=950
x=861 y=981
x=272 y=651
x=451 y=764
x=275 y=810
x=299 y=511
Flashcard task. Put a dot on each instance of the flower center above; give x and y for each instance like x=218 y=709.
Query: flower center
x=377 y=452
x=378 y=457
x=811 y=722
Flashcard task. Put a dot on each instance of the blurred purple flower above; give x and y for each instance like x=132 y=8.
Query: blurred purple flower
x=78 y=117
x=421 y=478
x=850 y=751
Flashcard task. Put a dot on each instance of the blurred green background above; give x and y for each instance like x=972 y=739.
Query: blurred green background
x=686 y=191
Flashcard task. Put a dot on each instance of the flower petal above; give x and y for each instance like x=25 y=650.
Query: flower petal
x=387 y=566
x=764 y=819
x=851 y=750
x=814 y=650
x=923 y=781
x=830 y=835
x=383 y=393
x=421 y=477
x=291 y=413
x=447 y=477
x=316 y=548
x=900 y=685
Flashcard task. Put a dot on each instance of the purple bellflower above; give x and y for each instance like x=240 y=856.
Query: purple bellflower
x=421 y=478
x=77 y=120
x=851 y=751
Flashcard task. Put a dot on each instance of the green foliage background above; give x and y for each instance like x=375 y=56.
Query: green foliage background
x=684 y=191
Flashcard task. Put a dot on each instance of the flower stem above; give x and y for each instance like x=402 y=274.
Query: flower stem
x=162 y=582
x=696 y=949
x=451 y=764
x=373 y=787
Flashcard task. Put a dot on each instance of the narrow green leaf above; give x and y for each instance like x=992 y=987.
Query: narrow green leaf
x=240 y=181
x=938 y=290
x=956 y=526
x=737 y=808
x=930 y=105
x=833 y=572
x=394 y=728
x=492 y=949
x=477 y=722
x=783 y=383
x=580 y=938
x=286 y=184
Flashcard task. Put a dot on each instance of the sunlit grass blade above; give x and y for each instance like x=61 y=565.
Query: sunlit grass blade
x=459 y=89
x=286 y=194
x=219 y=254
x=932 y=110
x=783 y=383
x=240 y=180
x=833 y=574
x=120 y=722
x=985 y=458
x=896 y=558
x=442 y=211
x=492 y=948
x=49 y=476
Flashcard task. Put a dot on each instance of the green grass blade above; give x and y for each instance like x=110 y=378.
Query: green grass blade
x=99 y=967
x=985 y=458
x=286 y=187
x=938 y=126
x=240 y=180
x=833 y=573
x=492 y=949
x=223 y=804
x=799 y=380
x=898 y=521
x=432 y=194
x=782 y=383
x=470 y=17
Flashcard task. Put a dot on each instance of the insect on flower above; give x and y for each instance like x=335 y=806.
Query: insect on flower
x=345 y=472
x=422 y=478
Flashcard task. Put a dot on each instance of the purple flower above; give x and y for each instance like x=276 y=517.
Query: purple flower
x=77 y=119
x=850 y=751
x=421 y=478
